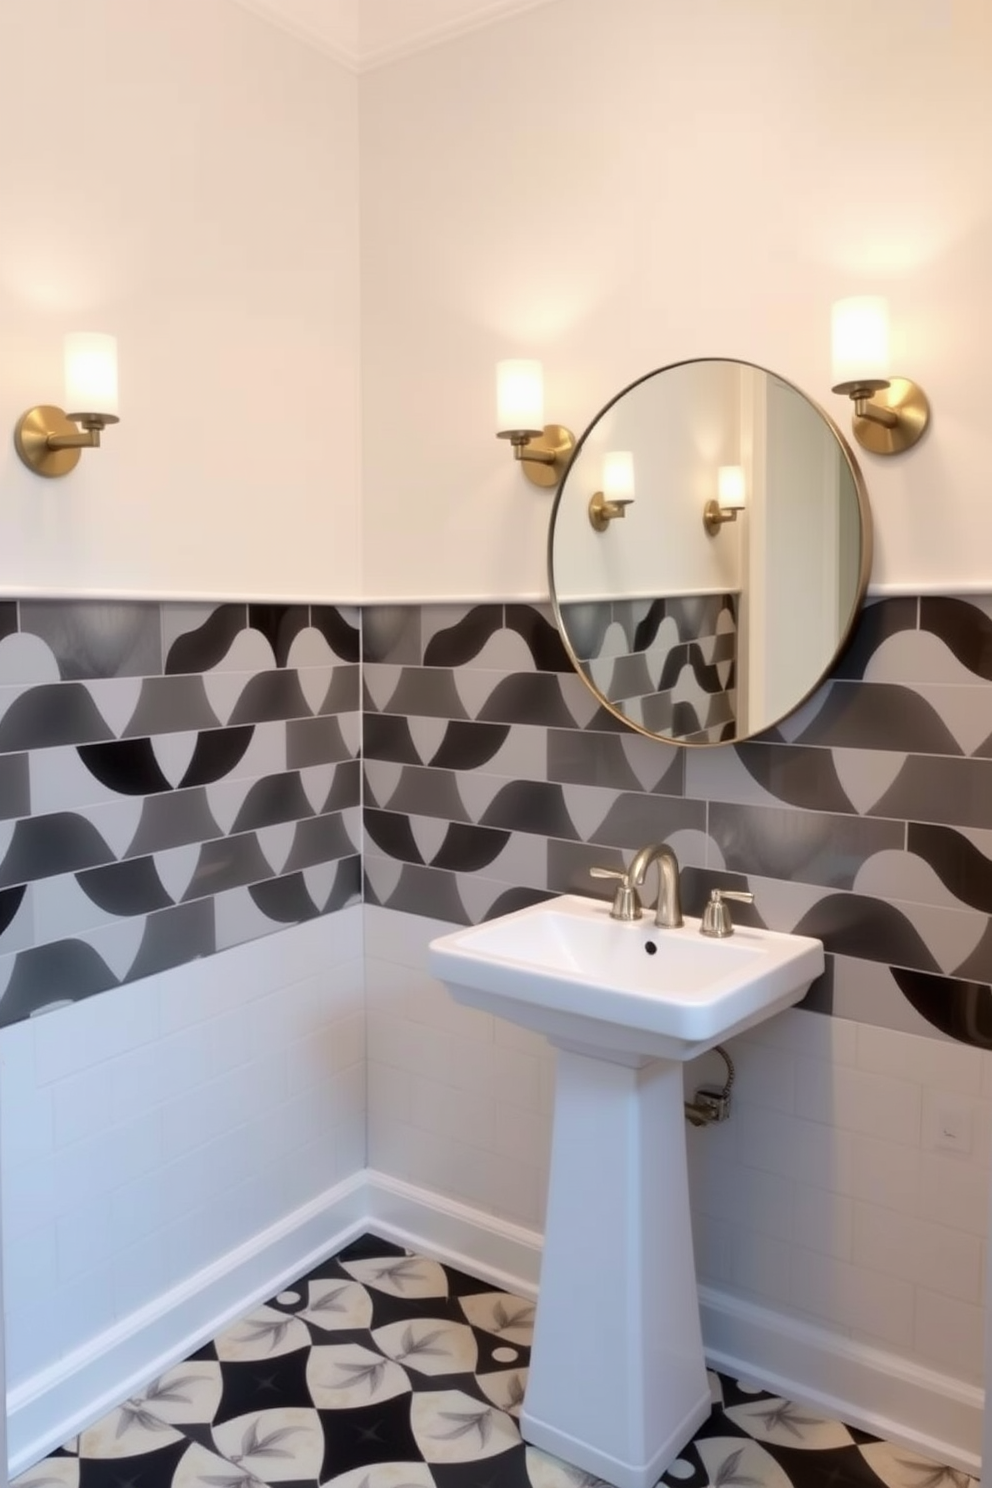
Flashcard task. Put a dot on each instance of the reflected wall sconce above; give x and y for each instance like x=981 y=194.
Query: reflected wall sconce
x=542 y=449
x=731 y=498
x=890 y=413
x=618 y=489
x=49 y=440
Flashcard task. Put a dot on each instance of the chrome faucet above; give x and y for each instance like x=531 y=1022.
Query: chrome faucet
x=627 y=901
x=668 y=913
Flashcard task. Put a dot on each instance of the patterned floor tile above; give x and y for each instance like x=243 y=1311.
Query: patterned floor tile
x=384 y=1369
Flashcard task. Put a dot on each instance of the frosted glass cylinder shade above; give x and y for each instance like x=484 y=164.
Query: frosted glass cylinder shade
x=618 y=475
x=730 y=487
x=860 y=341
x=91 y=373
x=519 y=396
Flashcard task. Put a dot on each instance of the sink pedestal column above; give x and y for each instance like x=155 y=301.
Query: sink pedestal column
x=617 y=1381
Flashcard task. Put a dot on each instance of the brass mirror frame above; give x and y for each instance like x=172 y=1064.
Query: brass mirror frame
x=864 y=570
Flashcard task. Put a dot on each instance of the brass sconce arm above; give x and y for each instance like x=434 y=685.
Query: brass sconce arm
x=543 y=453
x=603 y=510
x=861 y=395
x=49 y=441
x=714 y=516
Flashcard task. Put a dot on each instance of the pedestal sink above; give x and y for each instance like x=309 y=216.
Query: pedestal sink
x=617 y=1381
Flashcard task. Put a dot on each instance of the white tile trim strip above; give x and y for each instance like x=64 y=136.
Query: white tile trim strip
x=878 y=1391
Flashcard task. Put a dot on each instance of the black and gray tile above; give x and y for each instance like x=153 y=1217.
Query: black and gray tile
x=384 y=1369
x=173 y=779
x=863 y=819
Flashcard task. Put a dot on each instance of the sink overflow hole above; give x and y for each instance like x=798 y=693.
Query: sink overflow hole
x=650 y=947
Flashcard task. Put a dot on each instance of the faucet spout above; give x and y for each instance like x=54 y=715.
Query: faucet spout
x=668 y=914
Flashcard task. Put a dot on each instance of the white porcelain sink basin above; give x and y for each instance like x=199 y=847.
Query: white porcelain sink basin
x=566 y=969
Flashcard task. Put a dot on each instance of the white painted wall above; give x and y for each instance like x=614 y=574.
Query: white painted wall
x=153 y=1135
x=617 y=187
x=185 y=176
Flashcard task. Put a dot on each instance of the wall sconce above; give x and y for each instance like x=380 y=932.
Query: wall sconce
x=618 y=489
x=730 y=499
x=49 y=440
x=890 y=413
x=543 y=449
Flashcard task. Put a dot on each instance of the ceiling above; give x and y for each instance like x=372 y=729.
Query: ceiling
x=363 y=34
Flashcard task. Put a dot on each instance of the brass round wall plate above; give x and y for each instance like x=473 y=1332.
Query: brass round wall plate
x=909 y=401
x=31 y=441
x=556 y=440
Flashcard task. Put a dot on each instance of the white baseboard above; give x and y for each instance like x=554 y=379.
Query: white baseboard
x=929 y=1412
x=886 y=1394
x=50 y=1407
x=469 y=1239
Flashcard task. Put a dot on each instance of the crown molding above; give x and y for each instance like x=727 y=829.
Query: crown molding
x=367 y=59
x=274 y=14
x=432 y=36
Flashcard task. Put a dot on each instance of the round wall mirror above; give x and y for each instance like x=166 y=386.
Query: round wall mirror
x=709 y=550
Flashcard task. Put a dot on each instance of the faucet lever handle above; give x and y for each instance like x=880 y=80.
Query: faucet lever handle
x=716 y=919
x=626 y=900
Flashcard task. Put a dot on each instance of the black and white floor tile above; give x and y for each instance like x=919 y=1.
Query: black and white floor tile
x=383 y=1369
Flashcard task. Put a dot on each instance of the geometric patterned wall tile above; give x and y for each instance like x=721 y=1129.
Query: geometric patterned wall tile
x=767 y=774
x=25 y=659
x=272 y=695
x=97 y=638
x=215 y=792
x=343 y=690
x=340 y=626
x=317 y=741
x=964 y=627
x=16 y=919
x=878 y=621
x=173 y=819
x=280 y=625
x=391 y=633
x=812 y=847
x=172 y=937
x=952 y=791
x=535 y=624
x=962 y=861
x=57 y=713
x=870 y=715
x=959 y=1009
x=411 y=789
x=49 y=975
x=456 y=635
x=166 y=704
x=246 y=805
x=323 y=839
x=626 y=761
x=174 y=726
x=197 y=637
x=871 y=831
x=15 y=788
x=43 y=845
x=413 y=888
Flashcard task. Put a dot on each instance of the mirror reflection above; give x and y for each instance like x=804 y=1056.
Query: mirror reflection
x=709 y=549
